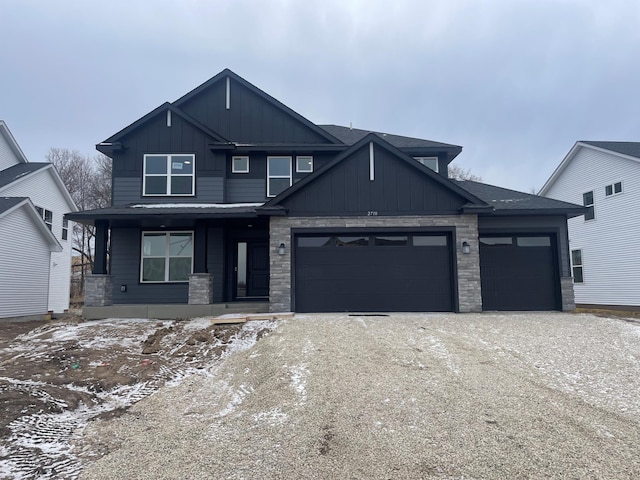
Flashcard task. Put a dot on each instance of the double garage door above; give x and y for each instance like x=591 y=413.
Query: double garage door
x=397 y=272
x=378 y=272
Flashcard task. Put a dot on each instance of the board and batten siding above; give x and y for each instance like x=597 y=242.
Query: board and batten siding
x=44 y=192
x=127 y=190
x=610 y=243
x=24 y=266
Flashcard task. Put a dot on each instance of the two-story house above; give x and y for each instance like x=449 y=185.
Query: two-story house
x=227 y=196
x=35 y=238
x=604 y=242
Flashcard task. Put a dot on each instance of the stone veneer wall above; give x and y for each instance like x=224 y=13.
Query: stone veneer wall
x=200 y=288
x=568 y=298
x=98 y=291
x=469 y=290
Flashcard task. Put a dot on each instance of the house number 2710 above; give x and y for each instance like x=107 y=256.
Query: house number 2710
x=372 y=213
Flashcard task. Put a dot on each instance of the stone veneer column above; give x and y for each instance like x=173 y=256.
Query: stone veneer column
x=98 y=291
x=568 y=297
x=200 y=288
x=468 y=266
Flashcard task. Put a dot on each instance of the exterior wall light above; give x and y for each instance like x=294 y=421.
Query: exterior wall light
x=123 y=288
x=281 y=249
x=466 y=248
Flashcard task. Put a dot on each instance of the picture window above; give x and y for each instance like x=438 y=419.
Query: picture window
x=304 y=164
x=240 y=165
x=166 y=257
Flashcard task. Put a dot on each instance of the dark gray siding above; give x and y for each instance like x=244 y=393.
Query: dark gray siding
x=398 y=189
x=251 y=118
x=156 y=137
x=542 y=224
x=129 y=190
x=246 y=190
x=125 y=270
x=215 y=260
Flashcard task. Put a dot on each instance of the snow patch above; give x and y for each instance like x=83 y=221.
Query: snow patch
x=196 y=205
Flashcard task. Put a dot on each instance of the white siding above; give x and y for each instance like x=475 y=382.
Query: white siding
x=44 y=192
x=24 y=266
x=611 y=242
x=7 y=156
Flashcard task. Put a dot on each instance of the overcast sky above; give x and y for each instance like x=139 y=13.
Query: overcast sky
x=514 y=82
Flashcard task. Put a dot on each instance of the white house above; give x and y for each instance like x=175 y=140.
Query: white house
x=605 y=242
x=35 y=239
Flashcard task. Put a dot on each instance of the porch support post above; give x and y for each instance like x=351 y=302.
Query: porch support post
x=102 y=236
x=200 y=248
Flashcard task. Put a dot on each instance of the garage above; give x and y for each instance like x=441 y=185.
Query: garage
x=519 y=272
x=373 y=272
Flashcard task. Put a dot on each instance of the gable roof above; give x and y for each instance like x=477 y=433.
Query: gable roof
x=383 y=143
x=22 y=171
x=513 y=202
x=107 y=145
x=628 y=150
x=13 y=145
x=350 y=136
x=265 y=96
x=12 y=174
x=10 y=204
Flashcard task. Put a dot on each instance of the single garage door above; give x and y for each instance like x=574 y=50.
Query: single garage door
x=519 y=272
x=373 y=273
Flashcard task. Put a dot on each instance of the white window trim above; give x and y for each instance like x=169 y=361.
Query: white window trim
x=43 y=214
x=577 y=266
x=65 y=229
x=168 y=175
x=304 y=157
x=166 y=254
x=593 y=195
x=233 y=164
x=419 y=159
x=614 y=193
x=269 y=176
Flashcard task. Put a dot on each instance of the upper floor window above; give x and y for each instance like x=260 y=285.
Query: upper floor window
x=576 y=266
x=169 y=174
x=304 y=164
x=47 y=216
x=587 y=201
x=65 y=228
x=613 y=189
x=166 y=256
x=240 y=164
x=278 y=175
x=429 y=162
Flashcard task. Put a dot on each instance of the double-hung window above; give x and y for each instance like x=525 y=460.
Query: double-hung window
x=47 y=216
x=587 y=201
x=429 y=162
x=169 y=175
x=166 y=257
x=576 y=266
x=65 y=228
x=278 y=175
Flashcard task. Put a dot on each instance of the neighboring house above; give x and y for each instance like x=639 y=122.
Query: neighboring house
x=35 y=239
x=604 y=243
x=226 y=195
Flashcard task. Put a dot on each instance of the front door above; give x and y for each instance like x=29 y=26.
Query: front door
x=252 y=269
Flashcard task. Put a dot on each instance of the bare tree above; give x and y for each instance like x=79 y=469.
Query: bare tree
x=456 y=172
x=88 y=180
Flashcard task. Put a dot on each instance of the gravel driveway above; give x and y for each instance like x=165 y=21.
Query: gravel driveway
x=399 y=396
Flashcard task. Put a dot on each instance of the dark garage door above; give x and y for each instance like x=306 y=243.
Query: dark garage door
x=518 y=273
x=373 y=273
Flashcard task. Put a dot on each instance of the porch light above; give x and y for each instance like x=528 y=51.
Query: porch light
x=466 y=248
x=281 y=249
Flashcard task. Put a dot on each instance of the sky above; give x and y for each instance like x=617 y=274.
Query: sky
x=514 y=82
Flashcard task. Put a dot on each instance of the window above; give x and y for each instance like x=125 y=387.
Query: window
x=240 y=165
x=429 y=162
x=65 y=228
x=352 y=241
x=394 y=240
x=613 y=189
x=313 y=242
x=304 y=164
x=166 y=256
x=47 y=216
x=169 y=174
x=278 y=175
x=429 y=241
x=587 y=201
x=576 y=266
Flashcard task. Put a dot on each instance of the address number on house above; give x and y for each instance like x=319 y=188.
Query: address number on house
x=372 y=213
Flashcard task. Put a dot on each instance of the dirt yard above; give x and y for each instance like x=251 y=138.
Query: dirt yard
x=56 y=376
